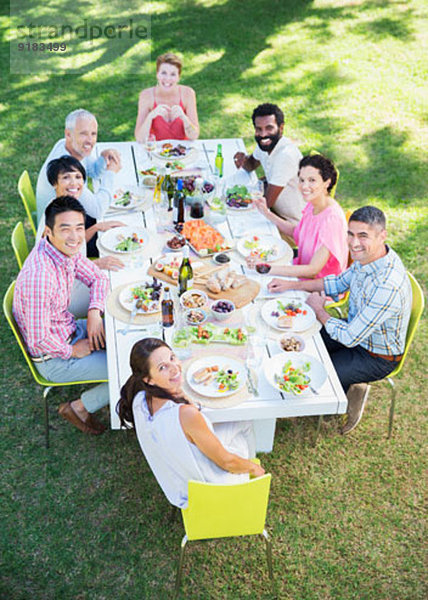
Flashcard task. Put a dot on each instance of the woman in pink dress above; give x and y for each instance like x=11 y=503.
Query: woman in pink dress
x=168 y=110
x=321 y=234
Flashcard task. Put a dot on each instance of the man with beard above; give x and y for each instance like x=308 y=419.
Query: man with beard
x=279 y=158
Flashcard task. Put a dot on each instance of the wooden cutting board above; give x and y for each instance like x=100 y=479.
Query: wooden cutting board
x=239 y=296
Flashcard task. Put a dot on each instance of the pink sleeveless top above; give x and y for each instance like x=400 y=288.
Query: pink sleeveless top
x=164 y=130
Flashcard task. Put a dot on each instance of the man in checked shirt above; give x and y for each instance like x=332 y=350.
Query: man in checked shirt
x=62 y=348
x=369 y=344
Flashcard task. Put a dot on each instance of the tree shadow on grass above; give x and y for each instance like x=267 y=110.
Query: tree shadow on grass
x=391 y=171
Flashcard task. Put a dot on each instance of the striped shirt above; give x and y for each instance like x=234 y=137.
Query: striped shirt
x=42 y=295
x=379 y=305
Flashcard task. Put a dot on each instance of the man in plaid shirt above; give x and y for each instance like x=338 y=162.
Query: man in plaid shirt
x=369 y=344
x=62 y=348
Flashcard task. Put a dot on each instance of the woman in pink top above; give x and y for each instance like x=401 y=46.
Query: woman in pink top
x=321 y=234
x=168 y=110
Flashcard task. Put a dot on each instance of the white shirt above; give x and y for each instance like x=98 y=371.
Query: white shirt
x=281 y=167
x=95 y=205
x=173 y=459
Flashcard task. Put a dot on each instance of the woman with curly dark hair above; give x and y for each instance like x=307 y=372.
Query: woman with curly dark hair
x=178 y=441
x=321 y=235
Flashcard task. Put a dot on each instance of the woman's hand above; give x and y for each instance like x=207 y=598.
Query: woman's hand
x=280 y=285
x=257 y=471
x=176 y=112
x=161 y=110
x=261 y=205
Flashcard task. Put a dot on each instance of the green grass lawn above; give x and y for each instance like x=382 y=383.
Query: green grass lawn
x=86 y=520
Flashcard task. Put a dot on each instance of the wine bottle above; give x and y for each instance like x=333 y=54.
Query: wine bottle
x=168 y=187
x=185 y=273
x=167 y=307
x=178 y=208
x=218 y=162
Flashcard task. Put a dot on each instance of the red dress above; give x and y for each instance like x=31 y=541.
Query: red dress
x=168 y=130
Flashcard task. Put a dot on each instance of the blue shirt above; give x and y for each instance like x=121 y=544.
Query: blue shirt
x=380 y=299
x=94 y=204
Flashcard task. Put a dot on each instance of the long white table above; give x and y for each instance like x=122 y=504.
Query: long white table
x=269 y=405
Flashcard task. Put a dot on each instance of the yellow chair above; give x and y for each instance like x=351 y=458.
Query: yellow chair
x=48 y=385
x=28 y=197
x=19 y=244
x=216 y=511
x=333 y=189
x=418 y=304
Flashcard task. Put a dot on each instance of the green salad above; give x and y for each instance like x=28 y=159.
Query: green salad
x=206 y=333
x=293 y=379
x=130 y=243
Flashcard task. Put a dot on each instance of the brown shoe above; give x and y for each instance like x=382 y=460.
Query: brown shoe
x=95 y=424
x=67 y=413
x=357 y=397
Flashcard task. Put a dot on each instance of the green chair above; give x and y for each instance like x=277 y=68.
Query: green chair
x=333 y=189
x=19 y=244
x=216 y=511
x=418 y=304
x=28 y=197
x=48 y=385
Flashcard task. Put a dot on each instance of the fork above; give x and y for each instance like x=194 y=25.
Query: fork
x=133 y=315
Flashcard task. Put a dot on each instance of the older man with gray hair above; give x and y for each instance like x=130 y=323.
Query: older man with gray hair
x=81 y=131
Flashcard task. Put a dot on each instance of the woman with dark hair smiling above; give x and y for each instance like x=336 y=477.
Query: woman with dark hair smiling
x=178 y=441
x=321 y=235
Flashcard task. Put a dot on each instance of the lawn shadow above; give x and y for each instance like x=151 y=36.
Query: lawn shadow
x=391 y=171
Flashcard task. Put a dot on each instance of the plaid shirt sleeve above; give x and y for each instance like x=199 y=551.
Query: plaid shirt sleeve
x=380 y=305
x=95 y=279
x=334 y=285
x=39 y=289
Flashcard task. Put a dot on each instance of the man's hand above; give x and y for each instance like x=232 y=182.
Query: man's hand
x=280 y=285
x=317 y=301
x=80 y=349
x=112 y=158
x=106 y=225
x=109 y=263
x=95 y=329
x=240 y=158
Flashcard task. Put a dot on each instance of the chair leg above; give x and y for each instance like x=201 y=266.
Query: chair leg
x=320 y=421
x=46 y=411
x=392 y=406
x=268 y=553
x=180 y=566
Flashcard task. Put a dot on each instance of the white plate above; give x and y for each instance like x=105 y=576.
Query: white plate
x=273 y=366
x=189 y=150
x=300 y=322
x=223 y=362
x=111 y=238
x=265 y=242
x=136 y=197
x=126 y=298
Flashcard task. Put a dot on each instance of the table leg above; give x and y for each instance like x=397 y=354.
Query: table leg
x=264 y=430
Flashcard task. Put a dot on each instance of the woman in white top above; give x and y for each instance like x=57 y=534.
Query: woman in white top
x=178 y=441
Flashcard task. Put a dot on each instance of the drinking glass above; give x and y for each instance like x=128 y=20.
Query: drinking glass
x=257 y=190
x=150 y=144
